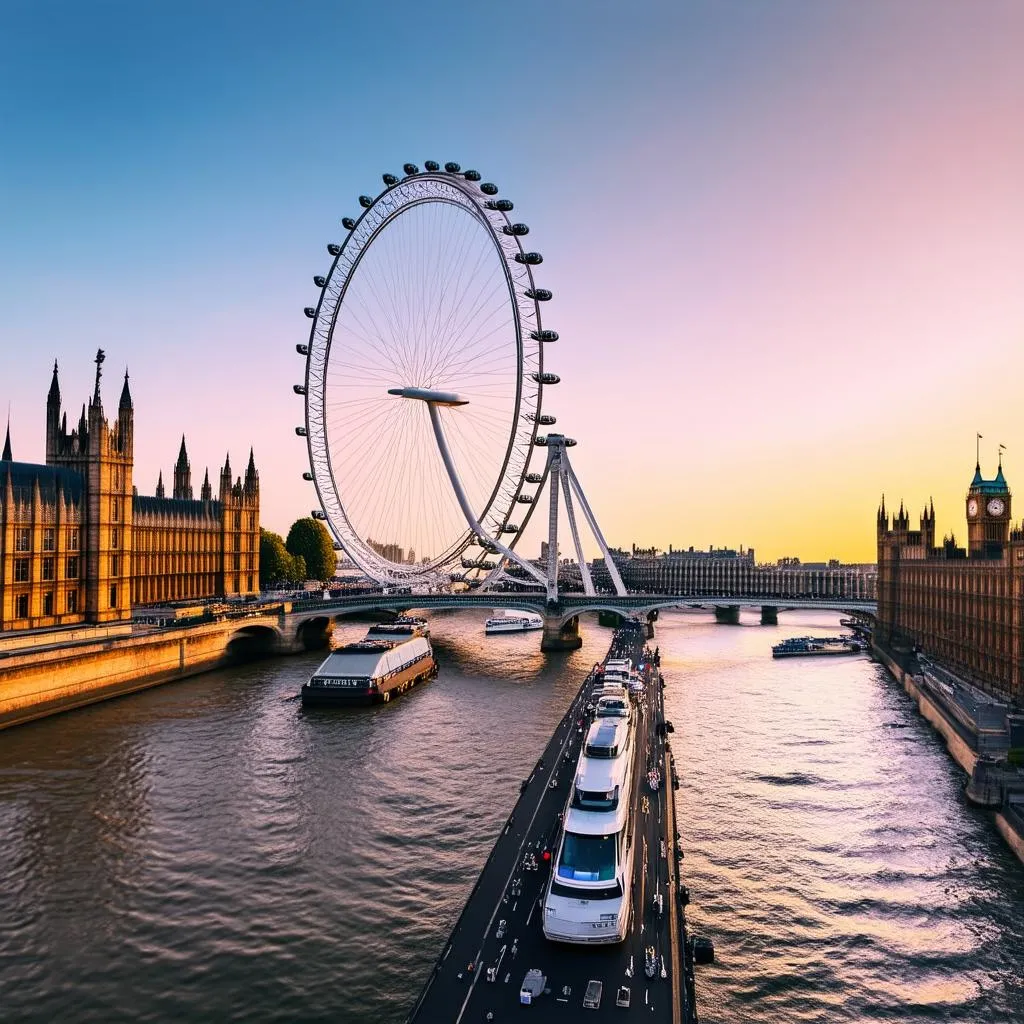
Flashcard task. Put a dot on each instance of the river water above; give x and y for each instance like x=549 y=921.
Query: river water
x=208 y=851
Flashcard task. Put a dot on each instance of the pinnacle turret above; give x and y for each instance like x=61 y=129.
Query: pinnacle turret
x=183 y=474
x=7 y=457
x=160 y=492
x=252 y=478
x=126 y=395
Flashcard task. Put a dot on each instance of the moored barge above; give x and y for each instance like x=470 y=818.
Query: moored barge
x=369 y=671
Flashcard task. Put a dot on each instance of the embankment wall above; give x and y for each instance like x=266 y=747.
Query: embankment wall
x=50 y=679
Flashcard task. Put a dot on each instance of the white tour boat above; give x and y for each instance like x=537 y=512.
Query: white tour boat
x=510 y=621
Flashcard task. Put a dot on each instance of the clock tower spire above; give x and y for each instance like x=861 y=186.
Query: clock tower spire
x=988 y=514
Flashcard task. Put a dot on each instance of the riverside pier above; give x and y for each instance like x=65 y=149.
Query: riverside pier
x=498 y=939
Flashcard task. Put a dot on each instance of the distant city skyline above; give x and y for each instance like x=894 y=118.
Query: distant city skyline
x=785 y=241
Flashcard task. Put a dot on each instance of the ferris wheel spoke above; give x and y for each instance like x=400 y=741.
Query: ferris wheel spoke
x=450 y=326
x=449 y=297
x=481 y=303
x=378 y=314
x=369 y=332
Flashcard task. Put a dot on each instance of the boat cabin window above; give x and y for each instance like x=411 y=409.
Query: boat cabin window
x=587 y=858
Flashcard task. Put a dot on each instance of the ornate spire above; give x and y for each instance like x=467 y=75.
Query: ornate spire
x=251 y=476
x=7 y=457
x=126 y=395
x=160 y=493
x=183 y=474
x=206 y=493
x=54 y=394
x=100 y=356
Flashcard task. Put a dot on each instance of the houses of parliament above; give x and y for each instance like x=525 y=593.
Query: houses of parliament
x=962 y=606
x=79 y=544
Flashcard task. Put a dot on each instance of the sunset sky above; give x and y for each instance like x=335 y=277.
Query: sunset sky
x=786 y=239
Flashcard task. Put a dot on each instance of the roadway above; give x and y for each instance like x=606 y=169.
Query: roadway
x=498 y=935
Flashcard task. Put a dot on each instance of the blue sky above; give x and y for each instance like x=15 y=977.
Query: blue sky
x=753 y=215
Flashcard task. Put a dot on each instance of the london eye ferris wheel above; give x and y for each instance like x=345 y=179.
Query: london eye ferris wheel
x=425 y=378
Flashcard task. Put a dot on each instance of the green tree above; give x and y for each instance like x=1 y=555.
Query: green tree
x=277 y=564
x=309 y=538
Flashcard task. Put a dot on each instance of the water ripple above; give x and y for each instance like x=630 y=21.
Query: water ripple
x=208 y=851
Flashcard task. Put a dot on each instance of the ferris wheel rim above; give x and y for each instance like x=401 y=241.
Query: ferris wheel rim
x=522 y=299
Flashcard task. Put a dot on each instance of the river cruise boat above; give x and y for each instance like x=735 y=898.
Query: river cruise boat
x=370 y=671
x=403 y=628
x=587 y=900
x=803 y=646
x=510 y=621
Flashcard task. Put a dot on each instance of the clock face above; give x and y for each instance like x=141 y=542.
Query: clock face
x=972 y=508
x=996 y=507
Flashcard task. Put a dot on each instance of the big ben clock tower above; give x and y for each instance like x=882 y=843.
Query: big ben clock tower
x=988 y=514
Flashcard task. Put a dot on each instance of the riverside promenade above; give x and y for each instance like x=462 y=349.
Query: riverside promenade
x=498 y=936
x=46 y=672
x=975 y=732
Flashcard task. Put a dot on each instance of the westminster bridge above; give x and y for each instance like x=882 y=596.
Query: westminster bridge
x=307 y=623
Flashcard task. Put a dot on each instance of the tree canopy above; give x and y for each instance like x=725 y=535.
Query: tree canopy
x=277 y=565
x=309 y=539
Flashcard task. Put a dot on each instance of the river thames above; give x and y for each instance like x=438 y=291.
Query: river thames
x=209 y=851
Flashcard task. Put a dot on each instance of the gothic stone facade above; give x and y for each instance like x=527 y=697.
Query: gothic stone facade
x=963 y=607
x=79 y=544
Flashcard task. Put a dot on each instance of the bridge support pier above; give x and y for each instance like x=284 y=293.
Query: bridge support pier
x=652 y=617
x=561 y=636
x=727 y=614
x=769 y=615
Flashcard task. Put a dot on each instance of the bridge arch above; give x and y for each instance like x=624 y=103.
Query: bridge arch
x=252 y=642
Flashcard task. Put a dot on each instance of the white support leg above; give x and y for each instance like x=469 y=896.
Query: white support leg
x=588 y=583
x=613 y=570
x=467 y=511
x=554 y=473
